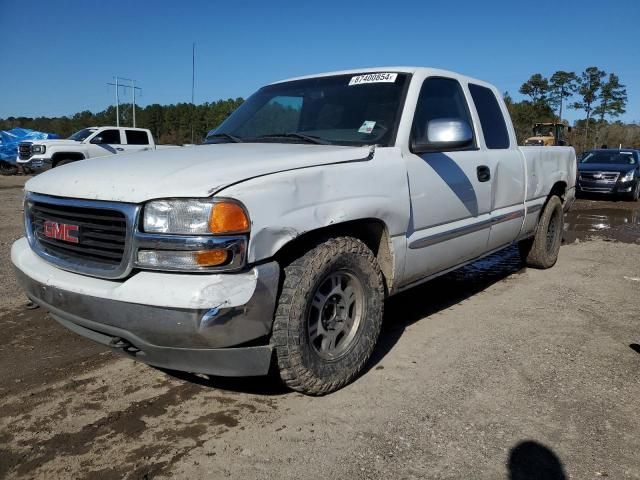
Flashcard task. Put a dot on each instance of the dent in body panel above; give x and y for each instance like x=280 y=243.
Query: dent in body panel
x=285 y=205
x=508 y=179
x=533 y=210
x=249 y=321
x=159 y=289
x=547 y=166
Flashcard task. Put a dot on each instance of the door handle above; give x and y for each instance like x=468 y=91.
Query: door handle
x=120 y=149
x=484 y=173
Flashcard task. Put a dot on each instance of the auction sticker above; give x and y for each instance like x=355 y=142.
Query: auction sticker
x=367 y=127
x=373 y=78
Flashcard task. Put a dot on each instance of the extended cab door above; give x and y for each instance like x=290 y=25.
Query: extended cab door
x=137 y=140
x=508 y=185
x=450 y=191
x=106 y=142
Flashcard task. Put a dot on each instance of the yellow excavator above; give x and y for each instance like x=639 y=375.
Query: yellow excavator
x=547 y=134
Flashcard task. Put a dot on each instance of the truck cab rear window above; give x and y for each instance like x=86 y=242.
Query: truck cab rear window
x=109 y=137
x=494 y=128
x=137 y=137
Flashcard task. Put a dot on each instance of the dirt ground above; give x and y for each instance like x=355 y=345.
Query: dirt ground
x=490 y=372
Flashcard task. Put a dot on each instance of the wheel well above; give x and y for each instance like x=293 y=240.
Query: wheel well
x=559 y=189
x=57 y=157
x=372 y=232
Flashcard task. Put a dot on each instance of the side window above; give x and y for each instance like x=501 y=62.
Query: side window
x=439 y=98
x=137 y=137
x=494 y=128
x=110 y=136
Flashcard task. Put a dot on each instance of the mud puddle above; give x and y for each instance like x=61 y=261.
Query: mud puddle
x=615 y=224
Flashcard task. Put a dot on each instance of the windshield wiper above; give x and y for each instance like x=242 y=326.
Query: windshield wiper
x=301 y=136
x=228 y=136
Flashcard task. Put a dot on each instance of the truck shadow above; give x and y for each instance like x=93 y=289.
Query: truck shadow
x=420 y=302
x=401 y=311
x=269 y=385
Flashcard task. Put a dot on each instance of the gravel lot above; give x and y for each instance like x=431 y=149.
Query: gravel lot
x=490 y=372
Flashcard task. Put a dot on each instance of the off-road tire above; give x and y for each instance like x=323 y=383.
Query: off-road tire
x=541 y=251
x=7 y=168
x=301 y=366
x=63 y=162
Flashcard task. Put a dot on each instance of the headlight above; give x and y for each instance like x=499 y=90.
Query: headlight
x=627 y=177
x=195 y=217
x=183 y=260
x=38 y=149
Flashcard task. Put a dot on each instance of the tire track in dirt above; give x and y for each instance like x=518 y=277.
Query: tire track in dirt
x=93 y=426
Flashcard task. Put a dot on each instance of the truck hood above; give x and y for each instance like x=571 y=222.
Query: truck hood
x=59 y=142
x=605 y=167
x=183 y=172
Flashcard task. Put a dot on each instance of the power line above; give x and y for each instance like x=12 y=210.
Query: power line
x=133 y=88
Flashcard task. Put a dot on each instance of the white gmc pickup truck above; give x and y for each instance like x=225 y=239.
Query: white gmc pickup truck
x=276 y=245
x=87 y=143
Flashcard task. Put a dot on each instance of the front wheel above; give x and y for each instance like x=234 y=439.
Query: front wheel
x=542 y=250
x=7 y=168
x=635 y=193
x=328 y=316
x=63 y=162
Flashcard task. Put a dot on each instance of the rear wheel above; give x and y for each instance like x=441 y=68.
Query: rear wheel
x=541 y=251
x=328 y=316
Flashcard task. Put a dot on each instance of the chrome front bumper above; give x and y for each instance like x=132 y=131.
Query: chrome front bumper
x=218 y=340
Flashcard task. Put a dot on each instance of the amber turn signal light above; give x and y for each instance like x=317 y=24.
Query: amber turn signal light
x=211 y=258
x=228 y=217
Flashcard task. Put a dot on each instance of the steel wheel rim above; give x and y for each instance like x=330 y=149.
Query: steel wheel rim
x=552 y=231
x=335 y=314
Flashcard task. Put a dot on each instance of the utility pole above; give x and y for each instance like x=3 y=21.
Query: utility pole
x=133 y=88
x=193 y=84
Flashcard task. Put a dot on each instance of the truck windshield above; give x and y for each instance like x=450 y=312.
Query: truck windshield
x=612 y=158
x=82 y=134
x=354 y=109
x=543 y=131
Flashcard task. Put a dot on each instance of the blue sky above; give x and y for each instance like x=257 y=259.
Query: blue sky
x=57 y=56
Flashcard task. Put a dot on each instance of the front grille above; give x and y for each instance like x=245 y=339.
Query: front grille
x=101 y=233
x=91 y=237
x=603 y=177
x=24 y=151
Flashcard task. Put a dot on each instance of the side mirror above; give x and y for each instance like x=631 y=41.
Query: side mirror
x=443 y=134
x=97 y=140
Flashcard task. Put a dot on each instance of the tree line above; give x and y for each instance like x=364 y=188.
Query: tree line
x=170 y=124
x=600 y=95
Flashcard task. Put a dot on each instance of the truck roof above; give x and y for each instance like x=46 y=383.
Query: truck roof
x=630 y=149
x=113 y=126
x=405 y=69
